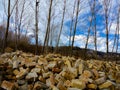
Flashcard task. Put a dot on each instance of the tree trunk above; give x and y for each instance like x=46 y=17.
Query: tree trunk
x=7 y=28
x=36 y=26
x=46 y=40
x=75 y=26
x=61 y=26
x=71 y=25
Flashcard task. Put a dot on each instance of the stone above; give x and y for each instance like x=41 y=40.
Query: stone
x=68 y=63
x=41 y=79
x=23 y=87
x=95 y=72
x=100 y=80
x=52 y=64
x=7 y=85
x=81 y=68
x=61 y=86
x=102 y=74
x=118 y=77
x=37 y=70
x=21 y=82
x=73 y=89
x=39 y=85
x=30 y=87
x=87 y=74
x=76 y=83
x=47 y=75
x=15 y=64
x=52 y=79
x=69 y=74
x=105 y=85
x=31 y=75
x=54 y=88
x=22 y=73
x=42 y=61
x=15 y=72
x=56 y=70
x=92 y=86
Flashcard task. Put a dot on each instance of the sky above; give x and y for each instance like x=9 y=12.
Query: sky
x=82 y=26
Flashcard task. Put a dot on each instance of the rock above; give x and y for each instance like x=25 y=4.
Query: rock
x=41 y=79
x=73 y=89
x=95 y=72
x=39 y=85
x=68 y=63
x=102 y=74
x=56 y=70
x=100 y=80
x=15 y=72
x=52 y=64
x=52 y=80
x=22 y=73
x=67 y=83
x=42 y=61
x=87 y=74
x=105 y=85
x=61 y=86
x=15 y=64
x=7 y=85
x=69 y=74
x=30 y=86
x=21 y=82
x=31 y=75
x=92 y=86
x=118 y=77
x=76 y=83
x=54 y=88
x=47 y=75
x=37 y=70
x=81 y=68
x=23 y=87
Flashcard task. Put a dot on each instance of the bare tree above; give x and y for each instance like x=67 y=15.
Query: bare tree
x=75 y=25
x=61 y=27
x=9 y=13
x=16 y=25
x=71 y=25
x=46 y=40
x=36 y=25
x=107 y=7
x=20 y=20
x=116 y=37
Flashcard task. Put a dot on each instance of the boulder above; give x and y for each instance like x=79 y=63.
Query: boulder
x=105 y=85
x=31 y=75
x=8 y=85
x=76 y=83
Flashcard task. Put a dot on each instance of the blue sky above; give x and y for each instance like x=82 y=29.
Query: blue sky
x=82 y=27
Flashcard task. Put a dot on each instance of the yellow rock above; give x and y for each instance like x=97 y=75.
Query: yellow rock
x=81 y=68
x=87 y=73
x=92 y=86
x=61 y=86
x=15 y=72
x=22 y=73
x=105 y=85
x=76 y=83
x=7 y=85
x=100 y=80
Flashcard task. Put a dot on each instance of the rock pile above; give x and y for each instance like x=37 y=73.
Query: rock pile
x=22 y=71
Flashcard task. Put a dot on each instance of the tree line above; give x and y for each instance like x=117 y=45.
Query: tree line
x=23 y=11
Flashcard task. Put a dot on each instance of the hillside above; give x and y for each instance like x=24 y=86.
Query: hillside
x=25 y=71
